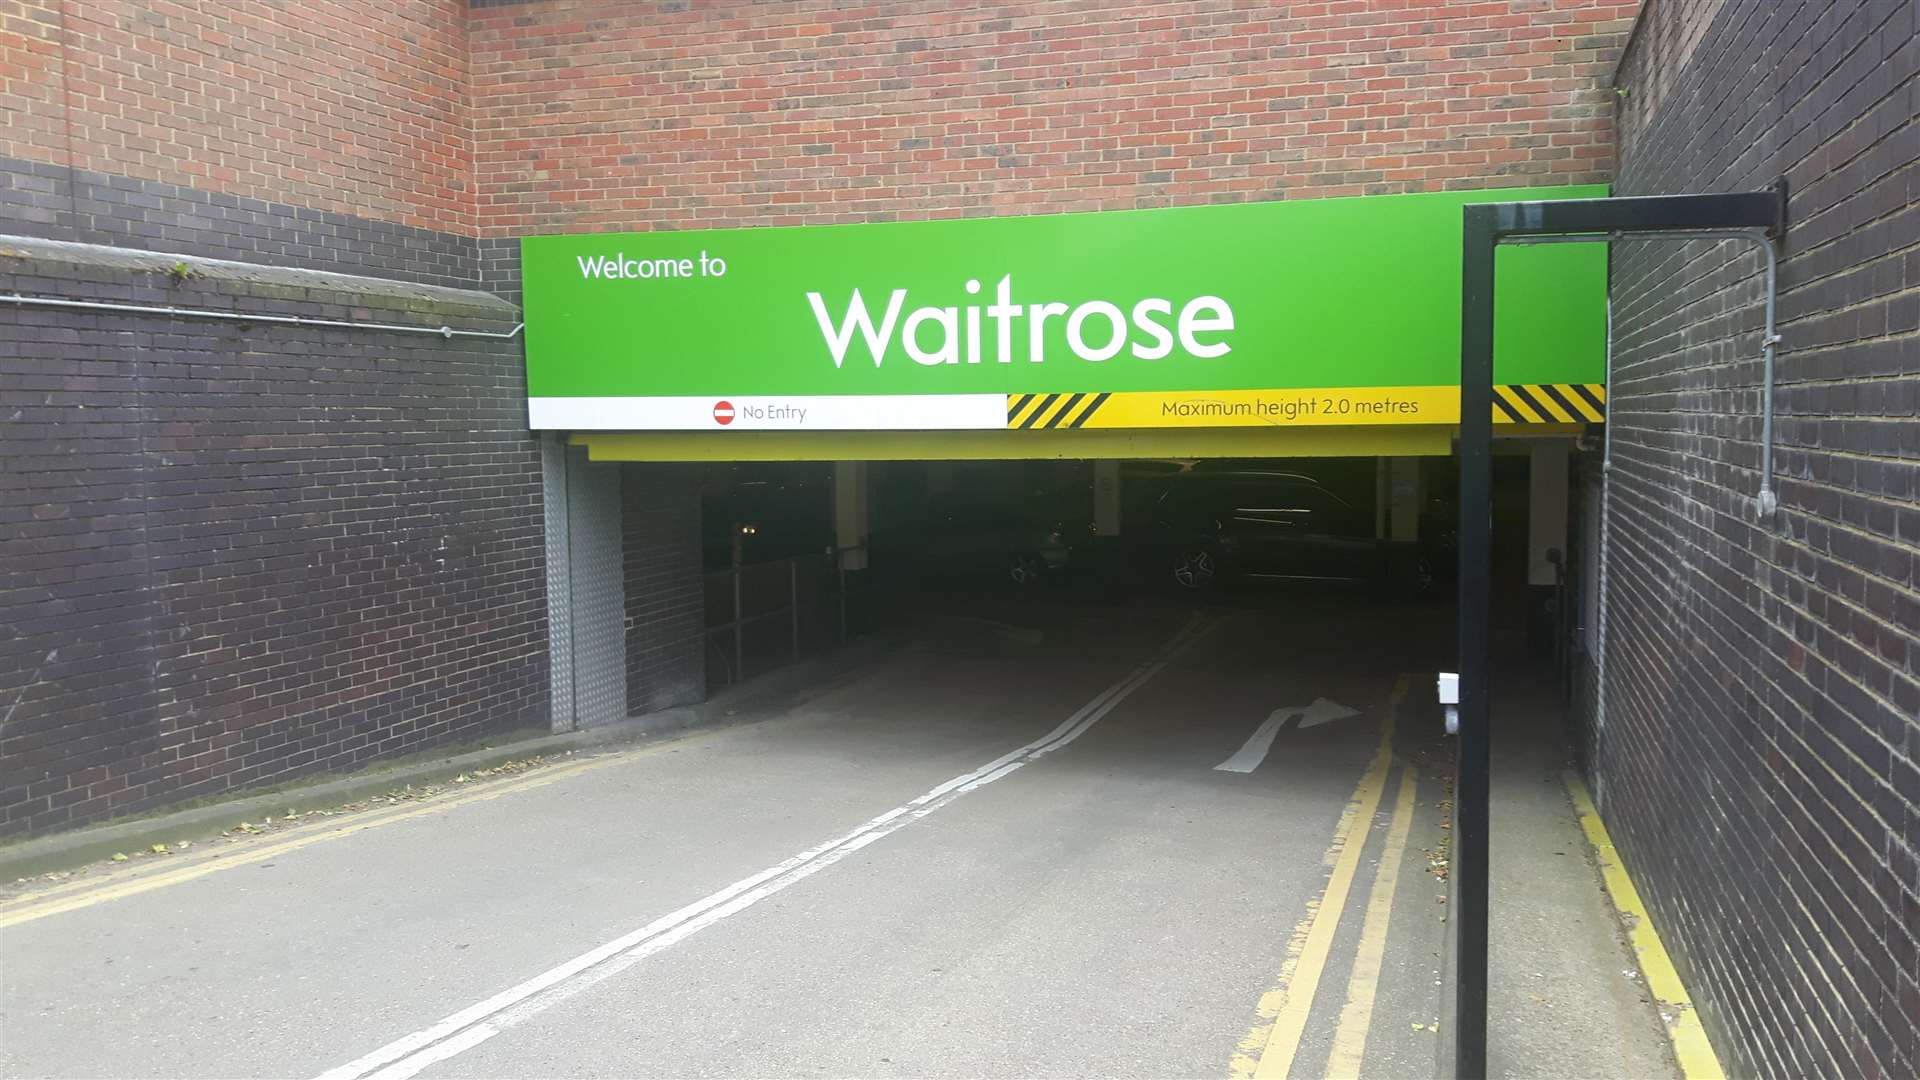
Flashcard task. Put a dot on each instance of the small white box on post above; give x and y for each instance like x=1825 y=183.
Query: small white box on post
x=1449 y=691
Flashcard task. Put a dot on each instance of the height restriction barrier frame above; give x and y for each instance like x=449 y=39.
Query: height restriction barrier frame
x=1485 y=227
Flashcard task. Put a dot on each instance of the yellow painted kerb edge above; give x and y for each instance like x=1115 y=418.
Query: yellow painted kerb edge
x=1690 y=1046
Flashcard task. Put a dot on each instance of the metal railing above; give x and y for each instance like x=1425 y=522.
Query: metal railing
x=749 y=605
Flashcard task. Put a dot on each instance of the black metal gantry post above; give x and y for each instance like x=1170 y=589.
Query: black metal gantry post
x=1486 y=225
x=1470 y=792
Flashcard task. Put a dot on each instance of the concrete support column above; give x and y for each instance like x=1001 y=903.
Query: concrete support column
x=1381 y=487
x=850 y=513
x=1404 y=498
x=1546 y=532
x=1106 y=498
x=1546 y=507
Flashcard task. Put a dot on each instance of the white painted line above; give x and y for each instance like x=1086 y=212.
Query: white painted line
x=1248 y=757
x=471 y=1026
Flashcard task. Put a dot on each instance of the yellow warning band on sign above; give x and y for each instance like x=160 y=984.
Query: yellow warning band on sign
x=1550 y=403
x=1536 y=403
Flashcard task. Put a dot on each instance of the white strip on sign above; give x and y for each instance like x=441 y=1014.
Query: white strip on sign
x=847 y=412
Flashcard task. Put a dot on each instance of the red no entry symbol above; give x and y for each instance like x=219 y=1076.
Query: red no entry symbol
x=723 y=413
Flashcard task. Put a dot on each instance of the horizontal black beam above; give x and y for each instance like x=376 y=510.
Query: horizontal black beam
x=1651 y=213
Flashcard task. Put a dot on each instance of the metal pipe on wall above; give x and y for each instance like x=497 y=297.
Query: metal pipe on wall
x=253 y=317
x=1600 y=575
x=1766 y=500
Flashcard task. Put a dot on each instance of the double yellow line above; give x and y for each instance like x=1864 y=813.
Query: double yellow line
x=1270 y=1047
x=1281 y=1016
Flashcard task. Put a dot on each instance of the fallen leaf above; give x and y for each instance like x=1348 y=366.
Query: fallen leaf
x=158 y=849
x=119 y=856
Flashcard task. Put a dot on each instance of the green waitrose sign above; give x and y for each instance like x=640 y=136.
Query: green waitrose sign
x=1321 y=311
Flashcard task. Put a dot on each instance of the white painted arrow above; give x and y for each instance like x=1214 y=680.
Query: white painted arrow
x=1323 y=710
x=1248 y=757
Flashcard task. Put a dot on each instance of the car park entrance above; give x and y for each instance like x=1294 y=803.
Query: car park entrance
x=795 y=558
x=812 y=429
x=1198 y=406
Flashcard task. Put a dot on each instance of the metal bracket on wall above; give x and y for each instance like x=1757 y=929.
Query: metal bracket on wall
x=1767 y=240
x=445 y=332
x=1486 y=226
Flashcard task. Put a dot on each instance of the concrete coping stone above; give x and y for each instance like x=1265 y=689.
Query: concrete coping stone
x=290 y=283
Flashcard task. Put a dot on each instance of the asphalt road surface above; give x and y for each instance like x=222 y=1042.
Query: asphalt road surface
x=977 y=856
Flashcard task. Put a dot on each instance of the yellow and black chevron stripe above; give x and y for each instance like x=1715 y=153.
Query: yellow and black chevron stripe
x=1550 y=403
x=1046 y=411
x=1513 y=403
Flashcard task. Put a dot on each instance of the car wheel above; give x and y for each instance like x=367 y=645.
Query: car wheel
x=1416 y=576
x=1026 y=569
x=1194 y=569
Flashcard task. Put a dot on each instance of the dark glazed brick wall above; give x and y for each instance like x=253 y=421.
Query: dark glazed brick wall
x=1759 y=762
x=53 y=202
x=660 y=563
x=234 y=555
x=498 y=267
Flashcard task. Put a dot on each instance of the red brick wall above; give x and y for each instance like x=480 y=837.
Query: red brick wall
x=609 y=114
x=339 y=105
x=558 y=114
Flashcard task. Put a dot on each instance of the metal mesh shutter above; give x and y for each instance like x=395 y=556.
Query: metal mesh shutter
x=597 y=596
x=553 y=478
x=586 y=604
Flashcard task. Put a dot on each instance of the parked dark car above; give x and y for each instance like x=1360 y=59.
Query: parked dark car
x=1200 y=528
x=1021 y=543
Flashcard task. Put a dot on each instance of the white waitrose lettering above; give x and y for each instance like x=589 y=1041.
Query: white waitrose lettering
x=838 y=340
x=938 y=335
